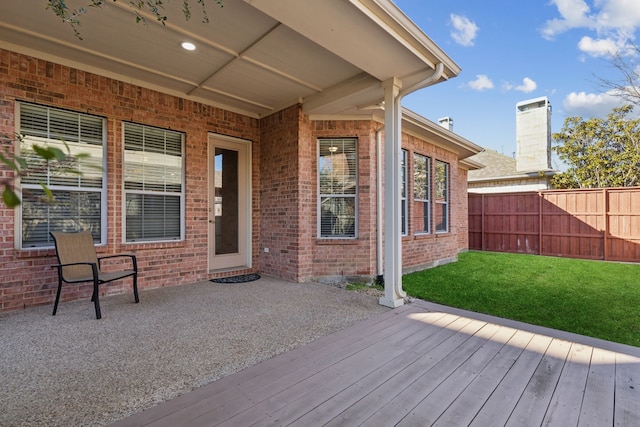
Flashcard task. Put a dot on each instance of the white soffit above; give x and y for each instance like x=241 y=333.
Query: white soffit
x=254 y=57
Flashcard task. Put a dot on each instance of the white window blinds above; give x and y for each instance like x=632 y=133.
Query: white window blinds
x=153 y=182
x=337 y=179
x=78 y=188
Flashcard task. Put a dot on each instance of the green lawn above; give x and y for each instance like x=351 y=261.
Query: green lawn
x=594 y=298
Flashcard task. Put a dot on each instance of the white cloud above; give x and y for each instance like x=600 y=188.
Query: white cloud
x=527 y=86
x=574 y=14
x=613 y=23
x=600 y=47
x=464 y=31
x=482 y=82
x=623 y=15
x=590 y=104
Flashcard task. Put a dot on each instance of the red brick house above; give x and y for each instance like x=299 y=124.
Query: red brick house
x=277 y=146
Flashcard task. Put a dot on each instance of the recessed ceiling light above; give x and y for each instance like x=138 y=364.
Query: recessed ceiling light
x=188 y=46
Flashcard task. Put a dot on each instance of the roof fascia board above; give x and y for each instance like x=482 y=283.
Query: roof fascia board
x=423 y=127
x=470 y=164
x=390 y=17
x=530 y=176
x=321 y=22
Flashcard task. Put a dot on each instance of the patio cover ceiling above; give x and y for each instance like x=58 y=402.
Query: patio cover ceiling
x=255 y=57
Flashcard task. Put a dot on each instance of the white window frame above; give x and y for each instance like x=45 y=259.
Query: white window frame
x=441 y=196
x=404 y=208
x=180 y=236
x=425 y=201
x=325 y=146
x=90 y=168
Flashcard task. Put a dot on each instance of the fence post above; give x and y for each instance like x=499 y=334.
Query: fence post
x=605 y=251
x=540 y=222
x=482 y=245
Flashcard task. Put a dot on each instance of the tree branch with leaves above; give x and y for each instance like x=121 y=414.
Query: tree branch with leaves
x=155 y=7
x=599 y=152
x=15 y=166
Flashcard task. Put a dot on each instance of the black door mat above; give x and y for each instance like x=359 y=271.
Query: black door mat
x=242 y=278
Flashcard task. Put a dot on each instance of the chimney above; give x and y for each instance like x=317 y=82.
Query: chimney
x=446 y=122
x=533 y=135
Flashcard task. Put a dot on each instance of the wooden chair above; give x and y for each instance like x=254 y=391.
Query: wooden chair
x=78 y=262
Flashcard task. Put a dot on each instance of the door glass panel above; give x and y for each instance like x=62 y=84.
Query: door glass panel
x=226 y=201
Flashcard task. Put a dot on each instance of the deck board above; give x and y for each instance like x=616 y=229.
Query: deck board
x=627 y=391
x=497 y=409
x=423 y=364
x=564 y=408
x=598 y=404
x=469 y=403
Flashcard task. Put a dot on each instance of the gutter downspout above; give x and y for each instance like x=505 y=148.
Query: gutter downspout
x=379 y=208
x=394 y=295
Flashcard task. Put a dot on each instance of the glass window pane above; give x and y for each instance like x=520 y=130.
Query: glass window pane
x=337 y=217
x=442 y=197
x=337 y=166
x=151 y=217
x=442 y=180
x=149 y=165
x=72 y=211
x=421 y=217
x=441 y=217
x=421 y=211
x=420 y=177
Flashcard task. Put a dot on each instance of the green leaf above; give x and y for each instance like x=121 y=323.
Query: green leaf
x=58 y=154
x=10 y=198
x=43 y=152
x=48 y=193
x=11 y=163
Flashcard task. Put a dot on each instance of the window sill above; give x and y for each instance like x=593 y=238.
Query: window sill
x=154 y=244
x=342 y=242
x=422 y=236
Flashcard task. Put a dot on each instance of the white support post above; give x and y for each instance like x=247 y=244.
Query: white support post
x=393 y=293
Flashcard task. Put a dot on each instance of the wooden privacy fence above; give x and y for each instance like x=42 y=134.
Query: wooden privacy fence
x=593 y=223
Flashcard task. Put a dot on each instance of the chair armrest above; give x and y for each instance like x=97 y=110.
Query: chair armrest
x=94 y=272
x=73 y=263
x=134 y=261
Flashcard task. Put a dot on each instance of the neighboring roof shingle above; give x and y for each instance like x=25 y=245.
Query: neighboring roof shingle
x=496 y=165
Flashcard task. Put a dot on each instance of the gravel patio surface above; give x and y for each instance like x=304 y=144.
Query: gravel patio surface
x=73 y=370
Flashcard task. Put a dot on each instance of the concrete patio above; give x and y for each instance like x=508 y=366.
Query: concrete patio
x=304 y=355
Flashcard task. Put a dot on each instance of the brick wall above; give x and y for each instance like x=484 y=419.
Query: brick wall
x=346 y=257
x=425 y=250
x=284 y=183
x=461 y=212
x=27 y=278
x=280 y=195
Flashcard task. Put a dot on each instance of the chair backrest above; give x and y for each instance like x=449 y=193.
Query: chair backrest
x=75 y=247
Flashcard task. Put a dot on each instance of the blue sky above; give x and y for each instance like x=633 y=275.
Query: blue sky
x=515 y=50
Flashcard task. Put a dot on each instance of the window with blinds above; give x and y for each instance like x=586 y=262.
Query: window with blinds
x=421 y=193
x=442 y=197
x=337 y=182
x=79 y=188
x=153 y=183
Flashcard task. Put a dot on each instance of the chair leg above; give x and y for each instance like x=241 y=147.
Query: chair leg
x=55 y=304
x=135 y=288
x=96 y=300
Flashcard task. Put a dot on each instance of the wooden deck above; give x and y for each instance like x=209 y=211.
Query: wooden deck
x=419 y=365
